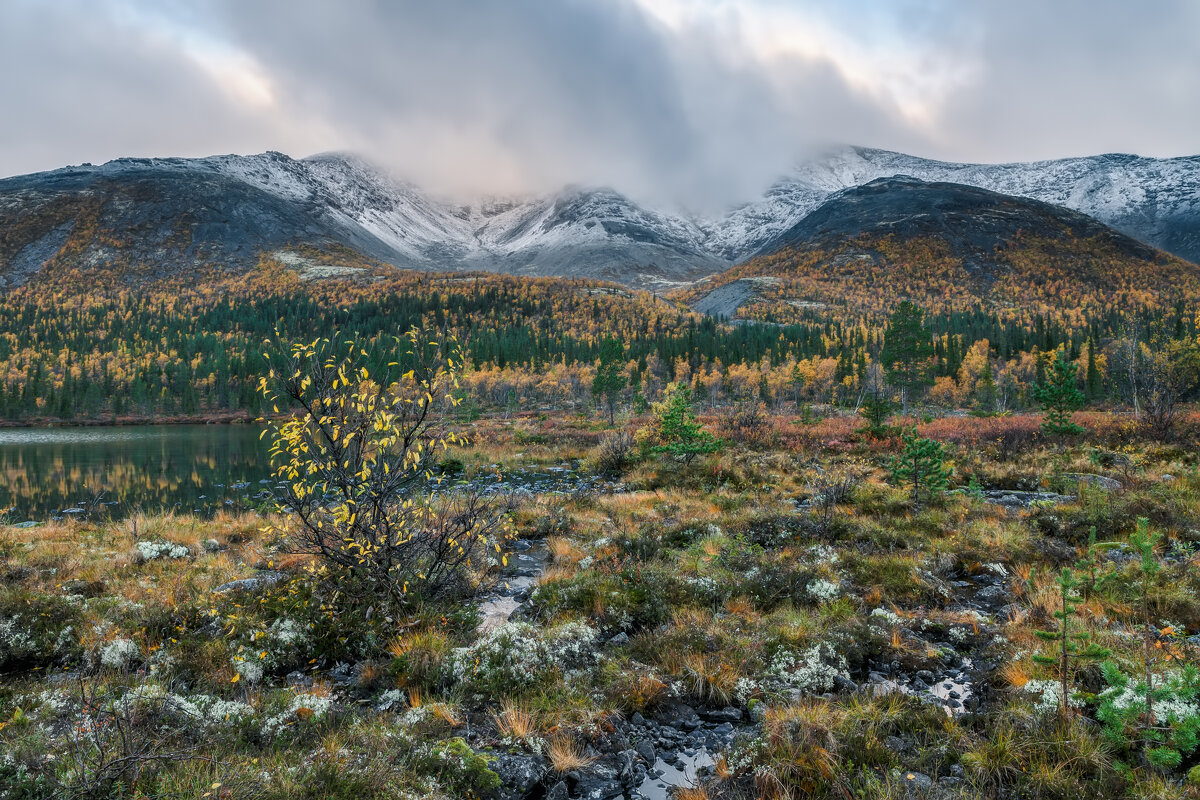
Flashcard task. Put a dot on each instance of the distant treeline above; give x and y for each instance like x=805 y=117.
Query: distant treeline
x=170 y=349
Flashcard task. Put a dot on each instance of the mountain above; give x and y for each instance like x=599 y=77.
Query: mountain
x=168 y=215
x=951 y=247
x=146 y=218
x=1154 y=200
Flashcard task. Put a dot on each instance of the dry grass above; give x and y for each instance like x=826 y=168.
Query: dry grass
x=566 y=754
x=1016 y=673
x=515 y=720
x=563 y=550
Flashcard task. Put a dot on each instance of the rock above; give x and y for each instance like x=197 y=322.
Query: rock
x=558 y=791
x=1095 y=481
x=680 y=716
x=637 y=719
x=593 y=789
x=727 y=714
x=917 y=783
x=620 y=640
x=250 y=584
x=646 y=751
x=519 y=773
x=895 y=744
x=844 y=684
x=925 y=675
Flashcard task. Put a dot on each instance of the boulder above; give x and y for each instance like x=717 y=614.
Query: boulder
x=518 y=773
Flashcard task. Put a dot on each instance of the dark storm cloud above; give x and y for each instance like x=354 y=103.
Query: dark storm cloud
x=695 y=103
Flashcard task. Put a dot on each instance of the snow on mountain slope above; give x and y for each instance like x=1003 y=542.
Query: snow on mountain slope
x=1155 y=200
x=580 y=232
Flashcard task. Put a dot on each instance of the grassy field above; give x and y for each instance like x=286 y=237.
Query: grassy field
x=779 y=604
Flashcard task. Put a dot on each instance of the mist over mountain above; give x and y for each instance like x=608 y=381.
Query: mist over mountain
x=166 y=216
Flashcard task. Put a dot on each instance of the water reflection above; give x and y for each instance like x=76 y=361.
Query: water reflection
x=46 y=471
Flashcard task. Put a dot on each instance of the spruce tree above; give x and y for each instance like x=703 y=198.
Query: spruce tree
x=681 y=435
x=908 y=352
x=1060 y=398
x=609 y=380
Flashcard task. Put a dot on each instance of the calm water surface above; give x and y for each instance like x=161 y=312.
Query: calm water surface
x=45 y=472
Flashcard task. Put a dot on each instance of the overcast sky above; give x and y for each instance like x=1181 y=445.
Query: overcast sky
x=693 y=102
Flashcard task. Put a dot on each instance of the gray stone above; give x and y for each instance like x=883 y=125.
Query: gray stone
x=917 y=783
x=519 y=773
x=620 y=640
x=591 y=789
x=1095 y=481
x=250 y=584
x=646 y=751
x=558 y=791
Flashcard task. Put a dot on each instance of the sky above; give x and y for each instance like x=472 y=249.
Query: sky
x=693 y=103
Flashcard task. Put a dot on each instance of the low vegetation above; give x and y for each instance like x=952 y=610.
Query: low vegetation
x=953 y=606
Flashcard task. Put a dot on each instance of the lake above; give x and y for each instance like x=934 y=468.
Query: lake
x=52 y=472
x=197 y=468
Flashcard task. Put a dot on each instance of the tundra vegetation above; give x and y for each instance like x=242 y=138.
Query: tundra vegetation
x=934 y=605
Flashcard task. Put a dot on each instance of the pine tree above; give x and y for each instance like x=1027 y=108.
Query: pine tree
x=921 y=466
x=1070 y=645
x=609 y=380
x=908 y=352
x=876 y=409
x=680 y=433
x=1093 y=372
x=1060 y=398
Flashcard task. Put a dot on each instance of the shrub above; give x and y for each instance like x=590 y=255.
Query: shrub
x=356 y=460
x=746 y=422
x=614 y=453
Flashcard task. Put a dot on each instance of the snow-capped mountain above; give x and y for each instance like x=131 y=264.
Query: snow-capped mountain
x=1154 y=200
x=337 y=198
x=169 y=214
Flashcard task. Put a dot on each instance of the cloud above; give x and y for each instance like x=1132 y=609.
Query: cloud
x=695 y=103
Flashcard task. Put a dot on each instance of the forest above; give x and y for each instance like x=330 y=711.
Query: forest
x=76 y=348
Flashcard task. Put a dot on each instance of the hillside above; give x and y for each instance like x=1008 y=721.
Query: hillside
x=949 y=247
x=1155 y=200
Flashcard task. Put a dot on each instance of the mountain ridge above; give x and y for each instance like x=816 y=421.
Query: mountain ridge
x=341 y=200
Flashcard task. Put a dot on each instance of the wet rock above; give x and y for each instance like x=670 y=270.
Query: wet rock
x=519 y=774
x=727 y=714
x=646 y=751
x=680 y=716
x=625 y=766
